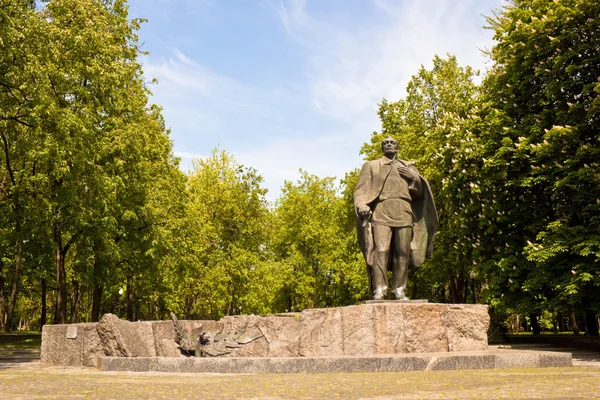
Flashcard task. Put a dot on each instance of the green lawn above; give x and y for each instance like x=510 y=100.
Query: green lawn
x=22 y=344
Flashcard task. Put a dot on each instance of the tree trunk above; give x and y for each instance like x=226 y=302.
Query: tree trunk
x=187 y=308
x=591 y=323
x=2 y=299
x=130 y=299
x=44 y=306
x=15 y=287
x=75 y=301
x=97 y=288
x=453 y=289
x=61 y=278
x=96 y=301
x=535 y=325
x=574 y=325
x=561 y=322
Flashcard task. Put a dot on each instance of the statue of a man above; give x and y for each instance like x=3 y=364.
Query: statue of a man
x=396 y=220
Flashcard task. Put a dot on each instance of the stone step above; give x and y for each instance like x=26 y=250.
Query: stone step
x=492 y=359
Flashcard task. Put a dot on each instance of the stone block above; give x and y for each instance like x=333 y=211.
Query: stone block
x=277 y=336
x=441 y=364
x=555 y=359
x=164 y=338
x=321 y=332
x=177 y=365
x=425 y=328
x=251 y=327
x=91 y=347
x=380 y=328
x=126 y=339
x=168 y=348
x=283 y=335
x=358 y=330
x=57 y=349
x=390 y=363
x=133 y=364
x=388 y=328
x=467 y=326
x=486 y=361
x=511 y=359
x=393 y=364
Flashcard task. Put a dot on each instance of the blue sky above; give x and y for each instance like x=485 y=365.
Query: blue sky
x=290 y=84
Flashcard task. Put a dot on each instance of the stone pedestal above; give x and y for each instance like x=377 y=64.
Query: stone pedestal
x=376 y=328
x=392 y=328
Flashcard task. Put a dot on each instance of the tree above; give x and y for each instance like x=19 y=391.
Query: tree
x=542 y=148
x=229 y=204
x=81 y=149
x=19 y=112
x=310 y=243
x=436 y=126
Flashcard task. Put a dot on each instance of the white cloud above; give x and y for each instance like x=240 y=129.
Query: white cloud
x=352 y=70
x=316 y=121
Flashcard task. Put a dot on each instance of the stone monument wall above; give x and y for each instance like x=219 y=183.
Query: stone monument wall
x=366 y=329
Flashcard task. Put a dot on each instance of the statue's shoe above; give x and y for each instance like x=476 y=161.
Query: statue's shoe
x=378 y=296
x=399 y=295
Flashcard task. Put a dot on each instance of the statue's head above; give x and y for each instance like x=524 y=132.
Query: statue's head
x=389 y=146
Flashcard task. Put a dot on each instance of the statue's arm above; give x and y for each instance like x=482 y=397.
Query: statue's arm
x=416 y=185
x=411 y=174
x=360 y=191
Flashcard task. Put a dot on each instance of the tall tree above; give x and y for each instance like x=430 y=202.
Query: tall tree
x=310 y=242
x=230 y=203
x=435 y=126
x=543 y=149
x=81 y=149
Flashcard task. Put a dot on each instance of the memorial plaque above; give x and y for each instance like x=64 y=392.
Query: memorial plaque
x=72 y=332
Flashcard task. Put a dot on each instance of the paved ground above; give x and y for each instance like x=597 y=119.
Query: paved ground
x=22 y=377
x=581 y=357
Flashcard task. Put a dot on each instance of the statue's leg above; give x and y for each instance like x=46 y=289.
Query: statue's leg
x=401 y=244
x=382 y=237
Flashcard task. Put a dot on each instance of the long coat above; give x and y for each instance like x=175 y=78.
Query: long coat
x=370 y=184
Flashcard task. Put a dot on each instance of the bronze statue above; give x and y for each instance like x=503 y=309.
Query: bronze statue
x=396 y=220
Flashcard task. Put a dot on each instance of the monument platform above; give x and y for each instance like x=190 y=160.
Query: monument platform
x=492 y=359
x=371 y=337
x=364 y=330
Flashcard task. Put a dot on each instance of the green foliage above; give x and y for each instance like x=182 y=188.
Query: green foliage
x=513 y=163
x=81 y=149
x=95 y=215
x=310 y=241
x=232 y=273
x=542 y=148
x=434 y=125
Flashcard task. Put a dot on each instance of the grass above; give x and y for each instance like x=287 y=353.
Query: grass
x=66 y=383
x=27 y=344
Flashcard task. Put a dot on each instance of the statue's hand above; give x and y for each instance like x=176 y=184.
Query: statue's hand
x=407 y=172
x=364 y=211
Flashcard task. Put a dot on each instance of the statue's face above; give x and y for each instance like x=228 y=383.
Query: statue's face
x=389 y=146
